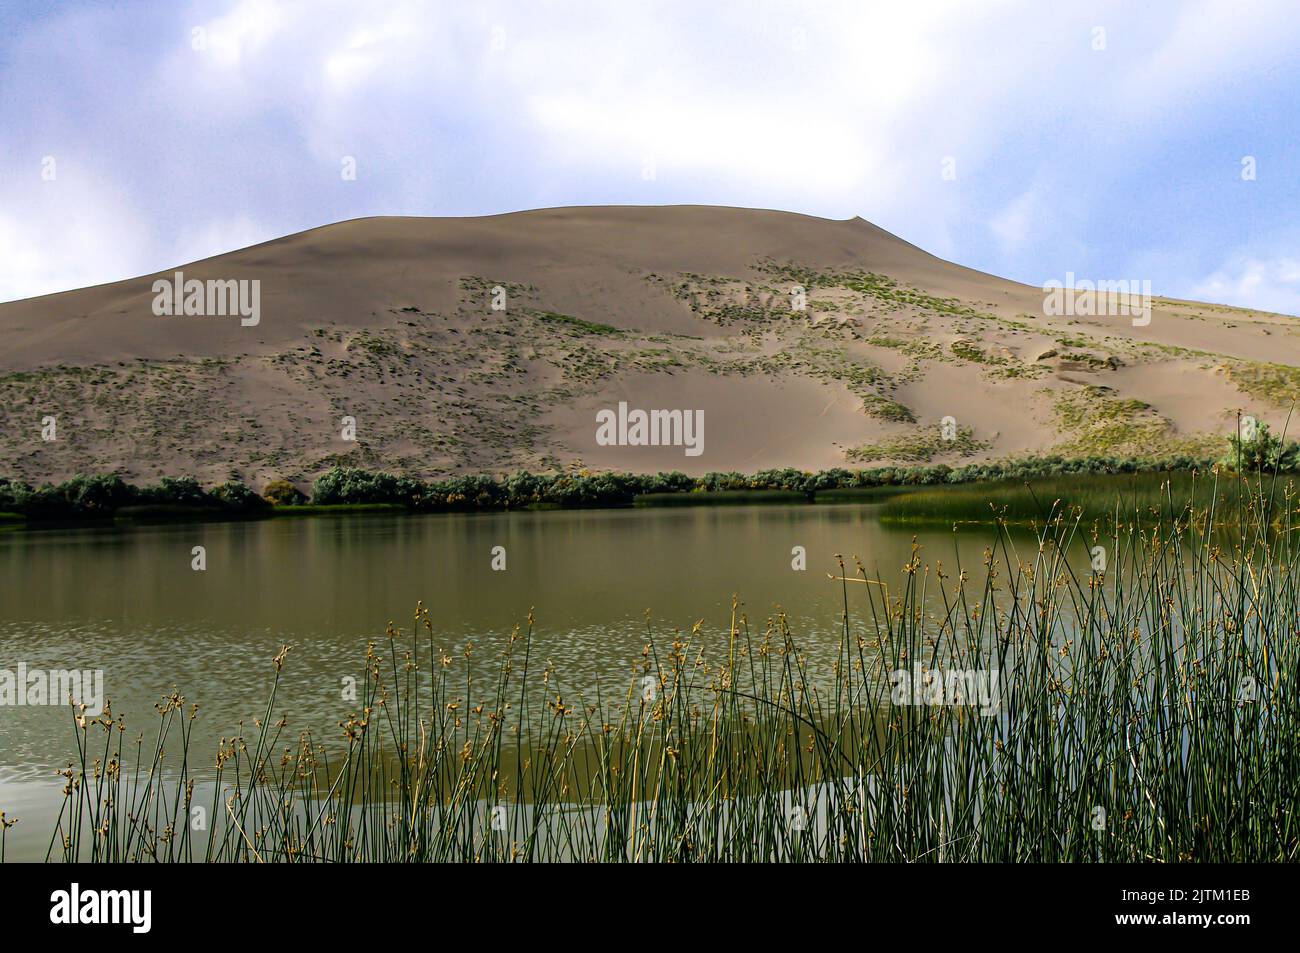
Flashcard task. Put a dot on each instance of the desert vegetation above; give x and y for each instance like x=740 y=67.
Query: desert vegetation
x=107 y=497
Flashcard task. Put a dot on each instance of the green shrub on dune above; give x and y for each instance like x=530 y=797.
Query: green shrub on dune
x=1262 y=451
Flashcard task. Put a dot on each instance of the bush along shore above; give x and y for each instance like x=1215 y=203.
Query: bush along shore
x=1025 y=710
x=107 y=496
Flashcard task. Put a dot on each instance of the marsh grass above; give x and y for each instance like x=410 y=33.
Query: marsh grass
x=1092 y=497
x=861 y=494
x=1146 y=713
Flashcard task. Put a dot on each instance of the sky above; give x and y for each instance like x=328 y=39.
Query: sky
x=1156 y=141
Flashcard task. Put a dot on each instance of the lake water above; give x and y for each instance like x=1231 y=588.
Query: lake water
x=125 y=599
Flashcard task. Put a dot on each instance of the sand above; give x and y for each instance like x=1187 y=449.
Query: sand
x=389 y=320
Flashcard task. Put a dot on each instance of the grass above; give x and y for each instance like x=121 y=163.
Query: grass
x=861 y=494
x=1140 y=712
x=920 y=445
x=576 y=324
x=1091 y=497
x=887 y=408
x=969 y=351
x=1093 y=421
x=1275 y=383
x=880 y=287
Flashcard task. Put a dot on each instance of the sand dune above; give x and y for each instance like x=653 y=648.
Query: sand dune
x=390 y=321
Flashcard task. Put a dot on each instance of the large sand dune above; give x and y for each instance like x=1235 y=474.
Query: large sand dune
x=389 y=320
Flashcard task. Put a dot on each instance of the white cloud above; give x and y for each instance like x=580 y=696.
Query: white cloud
x=1265 y=284
x=244 y=32
x=66 y=233
x=222 y=235
x=1015 y=223
x=1197 y=46
x=835 y=108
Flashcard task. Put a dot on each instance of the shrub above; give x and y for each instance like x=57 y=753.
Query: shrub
x=177 y=491
x=234 y=495
x=1262 y=452
x=11 y=492
x=96 y=495
x=283 y=493
x=82 y=496
x=352 y=485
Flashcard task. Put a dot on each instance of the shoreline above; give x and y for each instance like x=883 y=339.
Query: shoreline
x=953 y=502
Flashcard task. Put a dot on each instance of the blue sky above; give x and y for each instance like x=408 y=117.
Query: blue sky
x=1106 y=139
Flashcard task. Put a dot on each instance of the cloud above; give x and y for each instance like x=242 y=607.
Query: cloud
x=63 y=232
x=1213 y=48
x=1015 y=223
x=1264 y=284
x=242 y=33
x=219 y=236
x=207 y=128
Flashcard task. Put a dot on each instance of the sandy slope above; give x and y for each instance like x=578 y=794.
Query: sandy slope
x=388 y=320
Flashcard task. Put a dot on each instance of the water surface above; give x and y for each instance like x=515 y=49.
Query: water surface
x=124 y=599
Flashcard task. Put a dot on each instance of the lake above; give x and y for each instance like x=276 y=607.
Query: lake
x=1090 y=685
x=126 y=599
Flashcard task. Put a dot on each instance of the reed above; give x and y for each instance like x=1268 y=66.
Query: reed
x=1144 y=711
x=1100 y=498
